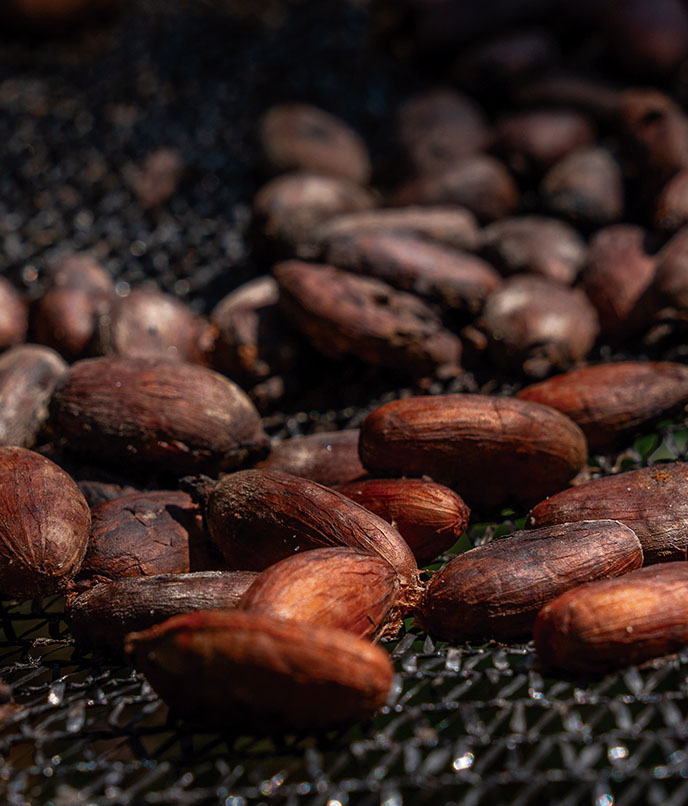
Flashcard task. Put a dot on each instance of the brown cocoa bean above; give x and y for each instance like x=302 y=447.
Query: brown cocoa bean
x=534 y=140
x=480 y=183
x=288 y=209
x=617 y=273
x=585 y=187
x=335 y=587
x=429 y=516
x=496 y=590
x=14 y=318
x=534 y=245
x=103 y=615
x=537 y=325
x=439 y=127
x=330 y=457
x=672 y=204
x=299 y=137
x=491 y=450
x=79 y=290
x=667 y=296
x=28 y=376
x=652 y=501
x=145 y=534
x=258 y=517
x=212 y=666
x=341 y=314
x=432 y=271
x=157 y=178
x=591 y=95
x=44 y=523
x=150 y=324
x=608 y=625
x=610 y=402
x=180 y=416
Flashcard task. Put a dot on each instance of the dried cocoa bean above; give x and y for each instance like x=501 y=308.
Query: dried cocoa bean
x=299 y=137
x=429 y=516
x=672 y=204
x=330 y=457
x=157 y=178
x=591 y=95
x=335 y=587
x=608 y=625
x=14 y=318
x=341 y=314
x=180 y=416
x=491 y=450
x=213 y=666
x=610 y=402
x=652 y=501
x=667 y=296
x=44 y=523
x=497 y=590
x=102 y=616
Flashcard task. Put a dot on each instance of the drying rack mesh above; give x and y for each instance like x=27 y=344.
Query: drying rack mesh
x=464 y=724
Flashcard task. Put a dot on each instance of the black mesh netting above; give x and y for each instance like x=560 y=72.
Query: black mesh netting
x=464 y=724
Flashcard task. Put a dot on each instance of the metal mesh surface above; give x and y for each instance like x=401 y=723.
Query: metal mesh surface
x=464 y=724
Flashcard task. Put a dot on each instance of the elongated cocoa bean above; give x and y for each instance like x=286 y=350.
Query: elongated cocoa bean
x=44 y=523
x=335 y=587
x=652 y=501
x=429 y=516
x=491 y=450
x=330 y=457
x=608 y=625
x=612 y=401
x=258 y=517
x=177 y=415
x=497 y=590
x=103 y=615
x=219 y=668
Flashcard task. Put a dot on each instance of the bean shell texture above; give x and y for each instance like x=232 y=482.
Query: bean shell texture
x=336 y=587
x=258 y=517
x=211 y=666
x=608 y=625
x=496 y=590
x=652 y=501
x=491 y=450
x=44 y=523
x=176 y=415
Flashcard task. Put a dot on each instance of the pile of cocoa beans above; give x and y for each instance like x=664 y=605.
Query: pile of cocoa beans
x=250 y=580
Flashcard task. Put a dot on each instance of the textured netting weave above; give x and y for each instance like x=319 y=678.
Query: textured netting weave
x=464 y=724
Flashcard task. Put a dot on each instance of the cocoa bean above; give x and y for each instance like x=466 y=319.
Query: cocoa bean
x=330 y=457
x=335 y=587
x=667 y=296
x=28 y=376
x=535 y=245
x=258 y=517
x=496 y=590
x=213 y=666
x=491 y=450
x=157 y=178
x=44 y=523
x=608 y=625
x=537 y=325
x=610 y=402
x=150 y=324
x=299 y=137
x=145 y=534
x=592 y=95
x=176 y=415
x=341 y=314
x=429 y=516
x=14 y=319
x=103 y=615
x=652 y=501
x=432 y=271
x=672 y=204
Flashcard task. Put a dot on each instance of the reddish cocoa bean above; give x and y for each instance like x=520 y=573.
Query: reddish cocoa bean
x=429 y=516
x=212 y=667
x=497 y=590
x=672 y=204
x=491 y=450
x=157 y=178
x=608 y=625
x=335 y=587
x=652 y=501
x=341 y=314
x=14 y=320
x=667 y=296
x=591 y=95
x=329 y=458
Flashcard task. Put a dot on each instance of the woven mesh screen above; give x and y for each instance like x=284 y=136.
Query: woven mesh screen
x=464 y=724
